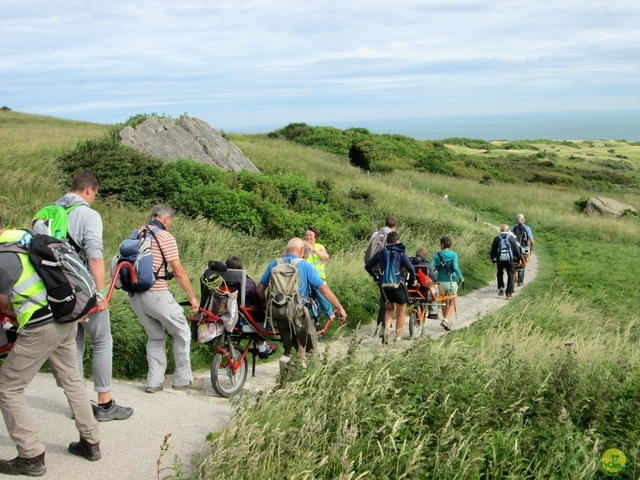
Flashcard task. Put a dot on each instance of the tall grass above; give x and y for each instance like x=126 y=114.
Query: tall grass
x=453 y=409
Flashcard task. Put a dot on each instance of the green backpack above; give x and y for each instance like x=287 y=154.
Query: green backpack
x=52 y=220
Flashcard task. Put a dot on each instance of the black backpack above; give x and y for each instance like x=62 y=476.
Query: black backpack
x=521 y=235
x=71 y=290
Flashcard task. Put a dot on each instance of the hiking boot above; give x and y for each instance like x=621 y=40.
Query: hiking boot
x=269 y=350
x=31 y=467
x=500 y=292
x=432 y=316
x=508 y=297
x=445 y=324
x=115 y=412
x=153 y=389
x=195 y=384
x=84 y=449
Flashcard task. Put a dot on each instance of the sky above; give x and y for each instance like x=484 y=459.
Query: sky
x=246 y=65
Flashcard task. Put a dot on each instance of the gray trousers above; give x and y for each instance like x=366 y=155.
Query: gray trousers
x=98 y=327
x=157 y=311
x=54 y=342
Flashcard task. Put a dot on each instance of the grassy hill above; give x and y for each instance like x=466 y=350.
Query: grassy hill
x=504 y=398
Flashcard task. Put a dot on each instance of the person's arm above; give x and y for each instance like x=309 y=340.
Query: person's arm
x=373 y=261
x=261 y=293
x=530 y=233
x=180 y=274
x=96 y=268
x=6 y=308
x=321 y=253
x=330 y=296
x=494 y=250
x=456 y=267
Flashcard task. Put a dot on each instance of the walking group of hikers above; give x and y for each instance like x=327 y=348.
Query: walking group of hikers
x=510 y=251
x=53 y=292
x=394 y=271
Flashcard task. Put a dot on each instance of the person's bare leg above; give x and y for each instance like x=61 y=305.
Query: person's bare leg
x=400 y=312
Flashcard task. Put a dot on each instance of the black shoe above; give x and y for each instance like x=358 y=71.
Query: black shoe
x=433 y=316
x=31 y=467
x=116 y=412
x=84 y=449
x=270 y=350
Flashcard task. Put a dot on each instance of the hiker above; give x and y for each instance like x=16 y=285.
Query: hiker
x=302 y=336
x=40 y=339
x=377 y=241
x=393 y=257
x=84 y=229
x=445 y=262
x=317 y=256
x=524 y=236
x=157 y=309
x=422 y=261
x=251 y=299
x=505 y=250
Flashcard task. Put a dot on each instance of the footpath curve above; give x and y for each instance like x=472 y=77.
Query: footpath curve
x=131 y=448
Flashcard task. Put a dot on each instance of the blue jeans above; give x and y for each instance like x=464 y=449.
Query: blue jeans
x=98 y=327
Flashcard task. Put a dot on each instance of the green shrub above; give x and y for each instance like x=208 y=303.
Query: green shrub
x=126 y=174
x=580 y=205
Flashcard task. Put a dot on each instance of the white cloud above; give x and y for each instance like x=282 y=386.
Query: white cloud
x=245 y=62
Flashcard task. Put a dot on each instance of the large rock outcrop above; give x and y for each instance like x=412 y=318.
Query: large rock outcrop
x=190 y=138
x=608 y=206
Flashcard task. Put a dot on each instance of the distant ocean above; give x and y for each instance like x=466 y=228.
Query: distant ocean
x=620 y=125
x=559 y=126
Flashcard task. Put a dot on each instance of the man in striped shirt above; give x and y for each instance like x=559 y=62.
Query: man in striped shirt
x=157 y=309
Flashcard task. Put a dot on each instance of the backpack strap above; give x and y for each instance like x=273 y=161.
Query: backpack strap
x=72 y=242
x=164 y=261
x=446 y=266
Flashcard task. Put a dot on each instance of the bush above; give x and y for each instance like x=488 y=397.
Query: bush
x=581 y=204
x=126 y=174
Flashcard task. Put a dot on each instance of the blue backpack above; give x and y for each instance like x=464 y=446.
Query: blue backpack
x=137 y=250
x=506 y=252
x=389 y=280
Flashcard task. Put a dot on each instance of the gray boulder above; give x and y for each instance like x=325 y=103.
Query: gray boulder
x=191 y=138
x=608 y=206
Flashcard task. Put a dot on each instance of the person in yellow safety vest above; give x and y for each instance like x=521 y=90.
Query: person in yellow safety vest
x=40 y=339
x=28 y=295
x=317 y=257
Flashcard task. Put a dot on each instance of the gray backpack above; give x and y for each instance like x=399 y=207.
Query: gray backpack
x=376 y=244
x=284 y=300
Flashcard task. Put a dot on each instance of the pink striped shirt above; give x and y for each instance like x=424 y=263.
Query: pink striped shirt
x=169 y=249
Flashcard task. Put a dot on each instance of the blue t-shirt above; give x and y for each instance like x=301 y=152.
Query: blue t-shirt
x=308 y=275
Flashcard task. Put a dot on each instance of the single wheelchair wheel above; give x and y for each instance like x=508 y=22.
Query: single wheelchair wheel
x=415 y=325
x=224 y=380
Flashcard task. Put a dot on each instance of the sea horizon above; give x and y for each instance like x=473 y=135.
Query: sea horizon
x=612 y=125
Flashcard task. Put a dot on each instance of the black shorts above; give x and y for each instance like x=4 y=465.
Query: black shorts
x=398 y=295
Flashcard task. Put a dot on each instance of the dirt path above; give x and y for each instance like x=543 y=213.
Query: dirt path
x=131 y=448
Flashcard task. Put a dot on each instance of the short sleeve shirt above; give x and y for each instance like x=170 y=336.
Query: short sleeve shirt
x=308 y=275
x=169 y=249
